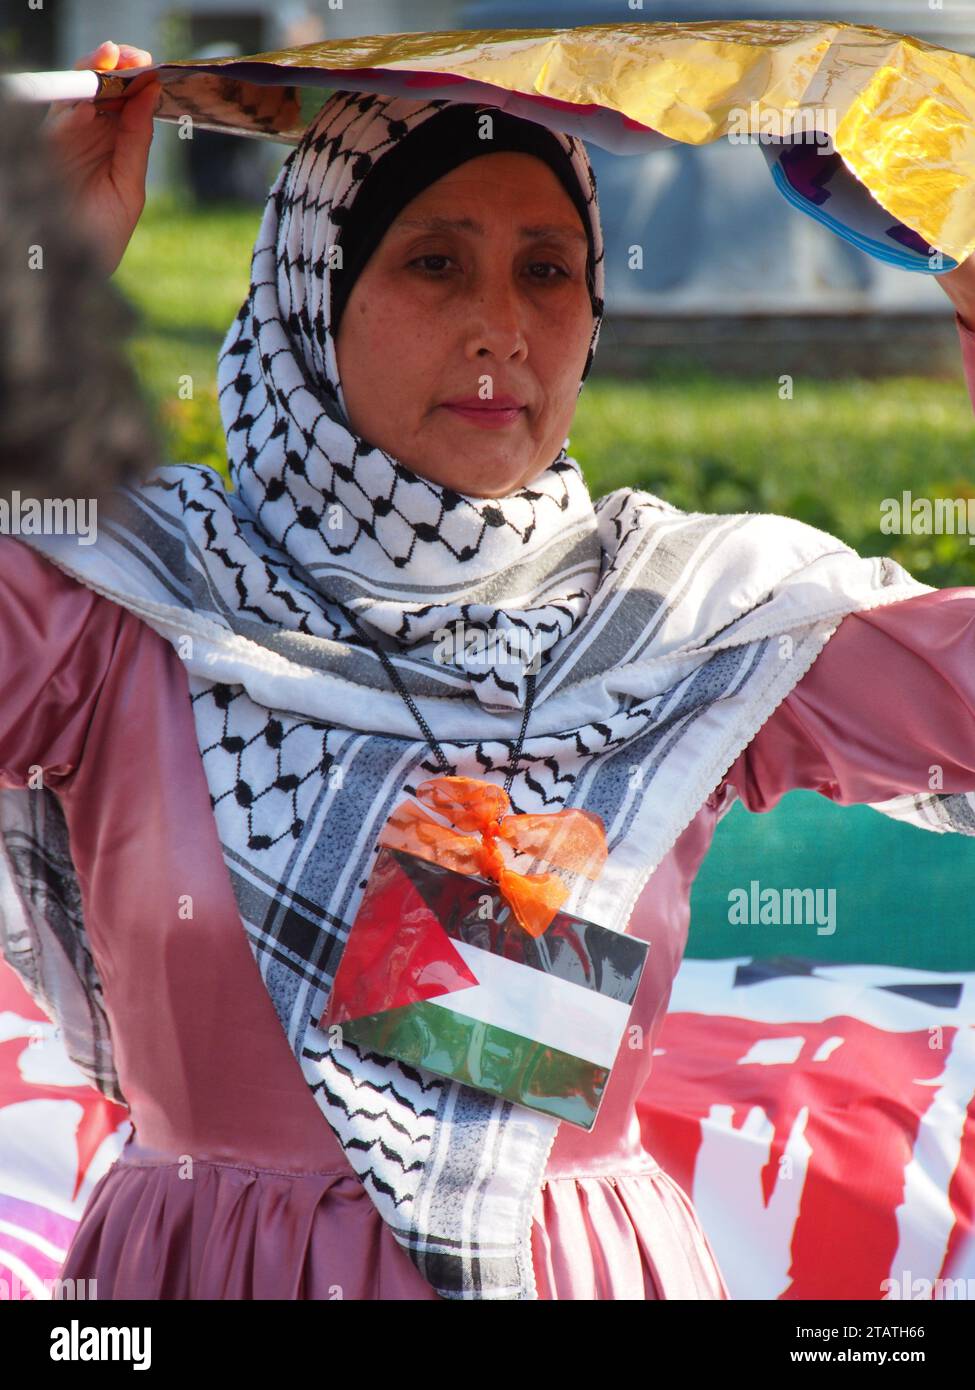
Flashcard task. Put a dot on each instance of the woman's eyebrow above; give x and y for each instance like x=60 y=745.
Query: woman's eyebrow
x=468 y=224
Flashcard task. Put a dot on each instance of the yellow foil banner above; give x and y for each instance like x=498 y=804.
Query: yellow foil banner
x=900 y=112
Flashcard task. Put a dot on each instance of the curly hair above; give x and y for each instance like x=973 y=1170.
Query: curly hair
x=73 y=421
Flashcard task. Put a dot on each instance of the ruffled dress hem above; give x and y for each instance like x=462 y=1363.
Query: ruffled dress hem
x=203 y=1229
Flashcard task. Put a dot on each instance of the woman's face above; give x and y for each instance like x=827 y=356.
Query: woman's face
x=496 y=308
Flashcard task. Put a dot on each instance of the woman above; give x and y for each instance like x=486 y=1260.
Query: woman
x=243 y=686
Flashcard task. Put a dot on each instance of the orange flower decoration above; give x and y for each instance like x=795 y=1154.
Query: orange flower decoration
x=480 y=819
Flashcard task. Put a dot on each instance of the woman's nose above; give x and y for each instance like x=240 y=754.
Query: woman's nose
x=498 y=319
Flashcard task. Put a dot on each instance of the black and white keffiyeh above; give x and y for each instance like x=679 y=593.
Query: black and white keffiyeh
x=664 y=639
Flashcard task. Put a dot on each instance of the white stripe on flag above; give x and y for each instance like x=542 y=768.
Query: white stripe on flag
x=542 y=1007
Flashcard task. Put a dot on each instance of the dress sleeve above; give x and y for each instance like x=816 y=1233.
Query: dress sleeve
x=57 y=639
x=967 y=336
x=889 y=698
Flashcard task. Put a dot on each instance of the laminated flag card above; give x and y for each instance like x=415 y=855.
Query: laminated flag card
x=439 y=972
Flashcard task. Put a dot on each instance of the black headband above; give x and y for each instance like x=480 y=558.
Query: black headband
x=425 y=154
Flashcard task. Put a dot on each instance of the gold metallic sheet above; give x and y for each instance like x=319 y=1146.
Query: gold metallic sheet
x=901 y=112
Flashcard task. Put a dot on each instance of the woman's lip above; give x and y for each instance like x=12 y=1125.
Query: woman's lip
x=489 y=418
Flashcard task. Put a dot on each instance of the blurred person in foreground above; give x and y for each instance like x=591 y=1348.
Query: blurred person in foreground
x=73 y=422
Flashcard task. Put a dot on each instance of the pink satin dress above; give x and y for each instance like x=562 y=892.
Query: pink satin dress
x=268 y=1206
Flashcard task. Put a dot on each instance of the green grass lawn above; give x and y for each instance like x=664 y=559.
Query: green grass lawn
x=704 y=442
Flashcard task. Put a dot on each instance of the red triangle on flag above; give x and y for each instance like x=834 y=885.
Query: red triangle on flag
x=397 y=952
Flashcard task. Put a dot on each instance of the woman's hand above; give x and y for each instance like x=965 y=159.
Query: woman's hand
x=103 y=150
x=959 y=286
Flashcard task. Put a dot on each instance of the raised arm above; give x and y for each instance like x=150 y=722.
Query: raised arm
x=103 y=150
x=967 y=335
x=959 y=286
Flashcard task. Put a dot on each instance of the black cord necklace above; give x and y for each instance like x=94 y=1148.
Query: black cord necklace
x=438 y=752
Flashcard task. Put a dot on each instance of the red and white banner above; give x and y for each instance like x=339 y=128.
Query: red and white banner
x=58 y=1135
x=822 y=1119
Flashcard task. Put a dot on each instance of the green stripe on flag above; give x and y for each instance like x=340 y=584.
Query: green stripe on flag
x=479 y=1054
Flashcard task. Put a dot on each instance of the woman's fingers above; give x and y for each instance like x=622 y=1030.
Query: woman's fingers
x=137 y=85
x=60 y=114
x=131 y=154
x=109 y=56
x=104 y=57
x=130 y=57
x=64 y=116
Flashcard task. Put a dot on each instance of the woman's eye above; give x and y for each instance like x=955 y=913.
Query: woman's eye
x=551 y=266
x=430 y=256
